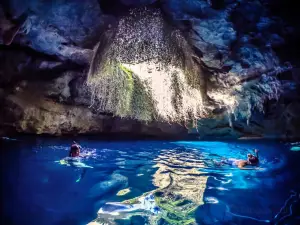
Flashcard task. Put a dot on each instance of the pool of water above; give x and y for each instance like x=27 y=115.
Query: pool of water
x=147 y=182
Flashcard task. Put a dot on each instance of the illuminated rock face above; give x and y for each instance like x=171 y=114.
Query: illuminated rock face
x=146 y=70
x=149 y=70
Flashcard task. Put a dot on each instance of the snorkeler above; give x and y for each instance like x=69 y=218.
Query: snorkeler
x=240 y=163
x=253 y=160
x=74 y=150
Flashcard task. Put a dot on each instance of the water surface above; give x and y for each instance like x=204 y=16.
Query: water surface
x=187 y=185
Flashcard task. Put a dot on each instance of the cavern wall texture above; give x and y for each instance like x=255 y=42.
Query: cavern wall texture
x=168 y=68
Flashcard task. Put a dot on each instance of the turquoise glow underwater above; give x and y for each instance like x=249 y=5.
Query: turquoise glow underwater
x=172 y=183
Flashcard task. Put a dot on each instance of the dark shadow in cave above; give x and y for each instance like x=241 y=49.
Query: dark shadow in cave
x=117 y=8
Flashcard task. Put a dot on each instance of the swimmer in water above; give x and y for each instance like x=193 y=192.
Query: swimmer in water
x=75 y=150
x=253 y=160
x=240 y=163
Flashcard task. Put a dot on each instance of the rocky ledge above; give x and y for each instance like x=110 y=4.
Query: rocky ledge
x=47 y=47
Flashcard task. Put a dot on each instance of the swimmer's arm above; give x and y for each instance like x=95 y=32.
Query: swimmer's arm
x=242 y=165
x=245 y=168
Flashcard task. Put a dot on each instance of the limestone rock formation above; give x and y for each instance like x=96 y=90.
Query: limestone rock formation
x=54 y=107
x=246 y=51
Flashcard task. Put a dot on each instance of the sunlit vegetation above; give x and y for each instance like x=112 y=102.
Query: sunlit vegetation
x=147 y=71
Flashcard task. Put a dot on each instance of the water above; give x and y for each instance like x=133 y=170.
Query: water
x=188 y=187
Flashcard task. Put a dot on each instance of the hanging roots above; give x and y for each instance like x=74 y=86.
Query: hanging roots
x=145 y=70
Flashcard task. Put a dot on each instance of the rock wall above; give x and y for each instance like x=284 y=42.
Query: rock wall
x=48 y=108
x=46 y=50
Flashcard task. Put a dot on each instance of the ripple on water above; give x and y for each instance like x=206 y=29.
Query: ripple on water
x=180 y=189
x=186 y=184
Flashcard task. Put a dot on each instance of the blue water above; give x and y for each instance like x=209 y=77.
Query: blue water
x=37 y=190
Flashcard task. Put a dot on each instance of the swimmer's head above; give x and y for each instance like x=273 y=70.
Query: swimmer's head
x=249 y=155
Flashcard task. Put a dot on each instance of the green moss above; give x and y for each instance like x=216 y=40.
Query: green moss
x=121 y=92
x=125 y=90
x=128 y=72
x=177 y=95
x=143 y=107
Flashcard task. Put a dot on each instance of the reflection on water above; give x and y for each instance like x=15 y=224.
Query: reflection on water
x=180 y=188
x=181 y=178
x=178 y=174
x=150 y=183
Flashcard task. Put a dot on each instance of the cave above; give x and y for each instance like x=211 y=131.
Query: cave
x=159 y=112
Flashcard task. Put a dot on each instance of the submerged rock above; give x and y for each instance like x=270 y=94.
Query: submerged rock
x=114 y=182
